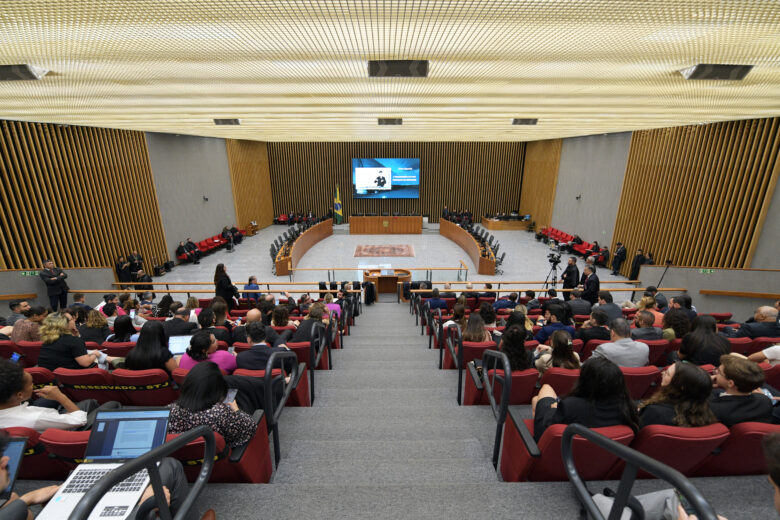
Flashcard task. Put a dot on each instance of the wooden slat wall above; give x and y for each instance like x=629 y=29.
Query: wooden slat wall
x=540 y=178
x=80 y=196
x=698 y=195
x=251 y=179
x=481 y=177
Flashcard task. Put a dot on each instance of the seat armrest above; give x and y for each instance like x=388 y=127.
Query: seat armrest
x=301 y=368
x=238 y=452
x=525 y=435
x=475 y=375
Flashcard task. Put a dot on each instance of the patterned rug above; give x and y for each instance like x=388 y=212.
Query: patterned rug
x=385 y=250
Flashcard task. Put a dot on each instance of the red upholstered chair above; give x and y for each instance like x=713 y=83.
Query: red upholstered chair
x=471 y=303
x=760 y=344
x=589 y=347
x=118 y=349
x=279 y=330
x=772 y=376
x=36 y=464
x=7 y=349
x=593 y=463
x=577 y=345
x=300 y=394
x=629 y=313
x=41 y=376
x=523 y=386
x=721 y=317
x=204 y=303
x=30 y=350
x=532 y=344
x=658 y=350
x=67 y=446
x=222 y=345
x=675 y=344
x=146 y=387
x=641 y=381
x=179 y=375
x=483 y=299
x=473 y=350
x=89 y=383
x=681 y=448
x=561 y=379
x=741 y=345
x=241 y=347
x=535 y=312
x=581 y=318
x=239 y=312
x=741 y=454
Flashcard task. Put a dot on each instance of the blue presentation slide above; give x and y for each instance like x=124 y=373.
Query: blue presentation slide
x=377 y=178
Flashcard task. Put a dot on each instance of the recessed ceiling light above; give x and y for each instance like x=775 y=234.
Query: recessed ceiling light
x=398 y=69
x=21 y=72
x=716 y=72
x=227 y=122
x=390 y=121
x=520 y=121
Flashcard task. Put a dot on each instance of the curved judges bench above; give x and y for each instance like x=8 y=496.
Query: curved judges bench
x=485 y=265
x=386 y=280
x=302 y=244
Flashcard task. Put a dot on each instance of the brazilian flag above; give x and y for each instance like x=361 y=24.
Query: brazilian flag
x=338 y=215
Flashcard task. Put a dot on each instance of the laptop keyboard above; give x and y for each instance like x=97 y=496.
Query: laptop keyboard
x=86 y=478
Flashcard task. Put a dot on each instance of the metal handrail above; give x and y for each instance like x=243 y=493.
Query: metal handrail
x=490 y=360
x=634 y=461
x=274 y=411
x=149 y=462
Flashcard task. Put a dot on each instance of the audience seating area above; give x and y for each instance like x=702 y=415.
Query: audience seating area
x=561 y=237
x=210 y=244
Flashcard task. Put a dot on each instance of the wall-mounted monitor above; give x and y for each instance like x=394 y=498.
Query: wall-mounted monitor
x=386 y=178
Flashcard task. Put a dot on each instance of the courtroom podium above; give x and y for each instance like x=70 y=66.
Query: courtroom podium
x=386 y=280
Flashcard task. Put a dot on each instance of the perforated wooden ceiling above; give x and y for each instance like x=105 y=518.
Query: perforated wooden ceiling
x=296 y=70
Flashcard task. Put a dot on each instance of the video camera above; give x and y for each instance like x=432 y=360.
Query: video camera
x=554 y=258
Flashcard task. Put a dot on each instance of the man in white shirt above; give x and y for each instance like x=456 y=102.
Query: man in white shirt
x=769 y=354
x=16 y=387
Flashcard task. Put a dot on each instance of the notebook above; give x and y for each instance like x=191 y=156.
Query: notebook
x=116 y=437
x=14 y=451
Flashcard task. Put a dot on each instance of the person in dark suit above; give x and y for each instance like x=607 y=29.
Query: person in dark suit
x=206 y=321
x=488 y=287
x=764 y=325
x=190 y=255
x=607 y=305
x=570 y=277
x=136 y=262
x=576 y=305
x=618 y=258
x=590 y=289
x=122 y=268
x=595 y=327
x=56 y=287
x=224 y=286
x=180 y=325
x=256 y=358
x=636 y=263
x=305 y=330
x=448 y=291
x=435 y=302
x=145 y=282
x=644 y=327
x=738 y=378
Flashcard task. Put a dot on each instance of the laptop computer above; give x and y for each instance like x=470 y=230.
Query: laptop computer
x=116 y=437
x=14 y=451
x=178 y=345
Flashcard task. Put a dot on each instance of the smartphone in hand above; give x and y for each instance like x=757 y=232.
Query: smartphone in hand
x=231 y=395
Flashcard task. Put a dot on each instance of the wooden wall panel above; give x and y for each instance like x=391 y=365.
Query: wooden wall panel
x=251 y=179
x=540 y=178
x=698 y=195
x=81 y=196
x=481 y=177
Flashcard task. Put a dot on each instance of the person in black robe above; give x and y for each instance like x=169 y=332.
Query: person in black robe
x=570 y=277
x=237 y=235
x=639 y=259
x=122 y=267
x=136 y=262
x=618 y=258
x=188 y=255
x=193 y=248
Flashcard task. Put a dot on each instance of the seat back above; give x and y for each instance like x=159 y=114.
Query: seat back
x=30 y=350
x=7 y=349
x=67 y=446
x=37 y=463
x=152 y=387
x=41 y=376
x=760 y=344
x=681 y=448
x=741 y=345
x=88 y=383
x=589 y=347
x=473 y=350
x=241 y=347
x=561 y=379
x=120 y=349
x=523 y=386
x=179 y=375
x=641 y=381
x=658 y=349
x=741 y=454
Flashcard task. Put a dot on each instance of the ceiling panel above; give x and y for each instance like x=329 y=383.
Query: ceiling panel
x=297 y=70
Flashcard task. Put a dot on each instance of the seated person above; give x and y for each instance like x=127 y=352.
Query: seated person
x=607 y=305
x=764 y=325
x=458 y=317
x=251 y=285
x=28 y=329
x=123 y=330
x=333 y=308
x=599 y=398
x=703 y=345
x=163 y=309
x=554 y=319
x=506 y=303
x=488 y=314
x=623 y=351
x=518 y=317
x=682 y=400
x=513 y=345
x=111 y=312
x=95 y=329
x=204 y=347
x=475 y=330
x=16 y=389
x=435 y=301
x=684 y=303
x=643 y=321
x=206 y=321
x=648 y=303
x=532 y=303
x=151 y=350
x=305 y=330
x=189 y=255
x=595 y=327
x=180 y=325
x=19 y=310
x=133 y=309
x=78 y=301
x=675 y=324
x=193 y=306
x=735 y=400
x=254 y=315
x=281 y=317
x=202 y=402
x=63 y=348
x=256 y=358
x=769 y=355
x=488 y=294
x=559 y=354
x=448 y=291
x=552 y=299
x=576 y=305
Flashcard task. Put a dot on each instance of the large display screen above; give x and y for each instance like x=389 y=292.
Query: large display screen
x=386 y=178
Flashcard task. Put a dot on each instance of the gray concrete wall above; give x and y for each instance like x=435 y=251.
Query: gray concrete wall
x=768 y=253
x=13 y=282
x=186 y=169
x=592 y=168
x=694 y=280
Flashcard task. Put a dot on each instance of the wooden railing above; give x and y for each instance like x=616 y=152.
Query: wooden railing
x=485 y=265
x=742 y=294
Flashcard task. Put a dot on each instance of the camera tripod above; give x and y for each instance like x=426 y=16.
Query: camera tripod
x=554 y=273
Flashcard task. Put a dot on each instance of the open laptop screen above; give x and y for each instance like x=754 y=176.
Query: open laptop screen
x=179 y=344
x=126 y=434
x=14 y=451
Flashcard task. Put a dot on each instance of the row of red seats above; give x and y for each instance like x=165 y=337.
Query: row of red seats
x=207 y=245
x=560 y=236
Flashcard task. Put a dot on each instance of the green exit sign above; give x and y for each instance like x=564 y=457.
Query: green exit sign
x=706 y=271
x=29 y=273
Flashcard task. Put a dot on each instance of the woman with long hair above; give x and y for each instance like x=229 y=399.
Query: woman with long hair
x=675 y=324
x=703 y=345
x=193 y=305
x=224 y=286
x=559 y=353
x=220 y=308
x=332 y=307
x=203 y=347
x=123 y=330
x=599 y=398
x=513 y=345
x=458 y=317
x=151 y=350
x=648 y=303
x=488 y=314
x=202 y=402
x=475 y=330
x=519 y=318
x=281 y=317
x=682 y=400
x=163 y=309
x=96 y=328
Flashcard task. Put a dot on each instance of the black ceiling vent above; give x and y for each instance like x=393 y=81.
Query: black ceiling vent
x=390 y=121
x=520 y=121
x=398 y=69
x=21 y=72
x=227 y=122
x=717 y=72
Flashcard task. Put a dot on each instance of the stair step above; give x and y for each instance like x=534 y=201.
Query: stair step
x=405 y=471
x=387 y=450
x=358 y=379
x=369 y=397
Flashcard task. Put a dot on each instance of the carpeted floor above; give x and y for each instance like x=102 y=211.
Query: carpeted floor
x=384 y=250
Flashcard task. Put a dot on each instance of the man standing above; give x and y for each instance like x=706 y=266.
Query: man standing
x=570 y=277
x=136 y=262
x=639 y=259
x=146 y=280
x=618 y=258
x=623 y=351
x=590 y=289
x=56 y=287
